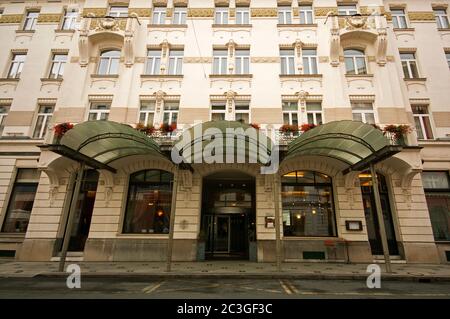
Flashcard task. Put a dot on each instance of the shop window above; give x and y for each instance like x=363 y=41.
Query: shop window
x=149 y=203
x=437 y=193
x=307 y=203
x=21 y=201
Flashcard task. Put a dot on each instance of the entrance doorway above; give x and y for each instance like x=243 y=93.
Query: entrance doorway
x=83 y=212
x=228 y=215
x=373 y=227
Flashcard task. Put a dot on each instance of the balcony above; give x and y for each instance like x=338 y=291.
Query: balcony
x=108 y=29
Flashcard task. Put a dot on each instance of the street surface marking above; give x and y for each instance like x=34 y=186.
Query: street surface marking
x=151 y=288
x=286 y=288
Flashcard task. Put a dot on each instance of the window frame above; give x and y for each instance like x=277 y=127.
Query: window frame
x=441 y=16
x=179 y=15
x=330 y=185
x=311 y=61
x=347 y=10
x=4 y=110
x=47 y=117
x=118 y=13
x=159 y=15
x=155 y=62
x=314 y=113
x=305 y=12
x=408 y=62
x=244 y=61
x=354 y=59
x=59 y=74
x=288 y=61
x=146 y=113
x=20 y=64
x=69 y=17
x=242 y=111
x=221 y=15
x=212 y=111
x=243 y=14
x=290 y=113
x=222 y=62
x=170 y=112
x=32 y=26
x=399 y=18
x=98 y=112
x=284 y=15
x=421 y=117
x=110 y=59
x=175 y=62
x=364 y=112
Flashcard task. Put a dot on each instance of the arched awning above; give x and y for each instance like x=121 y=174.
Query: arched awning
x=355 y=143
x=98 y=143
x=236 y=137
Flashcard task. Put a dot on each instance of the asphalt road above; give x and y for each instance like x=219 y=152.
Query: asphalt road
x=212 y=288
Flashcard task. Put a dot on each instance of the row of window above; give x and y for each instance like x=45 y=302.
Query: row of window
x=355 y=63
x=242 y=16
x=307 y=202
x=361 y=111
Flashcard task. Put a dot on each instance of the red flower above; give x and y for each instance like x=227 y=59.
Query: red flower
x=288 y=128
x=306 y=127
x=255 y=126
x=61 y=129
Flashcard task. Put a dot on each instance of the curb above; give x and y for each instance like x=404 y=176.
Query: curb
x=143 y=276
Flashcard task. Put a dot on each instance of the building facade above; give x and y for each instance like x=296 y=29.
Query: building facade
x=162 y=66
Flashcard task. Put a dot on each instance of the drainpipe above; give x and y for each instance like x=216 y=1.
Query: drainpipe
x=70 y=219
x=276 y=199
x=172 y=220
x=379 y=210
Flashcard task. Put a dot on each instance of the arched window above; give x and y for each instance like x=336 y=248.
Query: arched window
x=109 y=62
x=149 y=202
x=355 y=61
x=307 y=202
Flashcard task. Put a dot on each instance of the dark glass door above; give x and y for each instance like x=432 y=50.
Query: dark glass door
x=83 y=212
x=373 y=227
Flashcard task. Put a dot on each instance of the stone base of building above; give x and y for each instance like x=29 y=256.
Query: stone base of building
x=444 y=252
x=424 y=253
x=36 y=250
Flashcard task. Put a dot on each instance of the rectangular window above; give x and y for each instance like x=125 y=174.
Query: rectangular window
x=175 y=62
x=147 y=113
x=57 y=67
x=153 y=65
x=363 y=112
x=4 y=109
x=399 y=19
x=409 y=65
x=118 y=11
x=179 y=15
x=99 y=111
x=347 y=10
x=447 y=56
x=220 y=61
x=21 y=201
x=159 y=15
x=287 y=61
x=242 y=112
x=309 y=57
x=218 y=111
x=306 y=14
x=18 y=60
x=242 y=15
x=43 y=120
x=284 y=15
x=242 y=63
x=437 y=194
x=170 y=114
x=70 y=19
x=441 y=18
x=30 y=20
x=314 y=112
x=422 y=122
x=290 y=112
x=221 y=16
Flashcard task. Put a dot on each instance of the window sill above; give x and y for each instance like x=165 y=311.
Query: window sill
x=296 y=25
x=25 y=31
x=284 y=76
x=170 y=26
x=104 y=76
x=163 y=76
x=359 y=75
x=64 y=31
x=415 y=79
x=231 y=25
x=225 y=76
x=51 y=80
x=9 y=80
x=403 y=29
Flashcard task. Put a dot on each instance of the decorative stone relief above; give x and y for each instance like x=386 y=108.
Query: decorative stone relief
x=11 y=18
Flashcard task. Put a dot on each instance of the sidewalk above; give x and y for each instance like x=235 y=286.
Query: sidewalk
x=226 y=269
